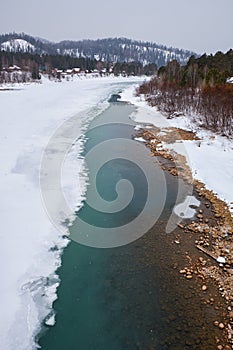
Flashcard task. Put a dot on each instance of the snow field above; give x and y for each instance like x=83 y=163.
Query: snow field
x=30 y=246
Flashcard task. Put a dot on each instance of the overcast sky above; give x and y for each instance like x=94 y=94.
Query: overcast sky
x=198 y=25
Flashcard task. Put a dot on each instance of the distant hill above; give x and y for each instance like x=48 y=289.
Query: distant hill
x=106 y=50
x=17 y=45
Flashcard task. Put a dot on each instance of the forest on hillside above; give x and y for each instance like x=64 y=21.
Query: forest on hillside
x=33 y=65
x=198 y=88
x=111 y=50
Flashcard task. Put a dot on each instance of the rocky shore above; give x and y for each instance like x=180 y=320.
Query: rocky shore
x=212 y=228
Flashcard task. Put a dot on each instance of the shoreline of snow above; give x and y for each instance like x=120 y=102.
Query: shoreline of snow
x=31 y=246
x=210 y=159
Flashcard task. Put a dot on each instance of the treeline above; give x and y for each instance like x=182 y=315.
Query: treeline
x=134 y=68
x=43 y=63
x=198 y=88
x=35 y=64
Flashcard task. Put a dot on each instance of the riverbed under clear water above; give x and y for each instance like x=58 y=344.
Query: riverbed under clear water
x=129 y=297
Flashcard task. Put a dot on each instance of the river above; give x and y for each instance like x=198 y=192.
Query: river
x=124 y=292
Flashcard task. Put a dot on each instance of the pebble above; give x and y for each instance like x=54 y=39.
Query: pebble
x=204 y=287
x=227 y=347
x=189 y=276
x=221 y=325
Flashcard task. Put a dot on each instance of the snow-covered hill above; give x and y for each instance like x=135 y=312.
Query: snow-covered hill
x=17 y=45
x=123 y=50
x=107 y=50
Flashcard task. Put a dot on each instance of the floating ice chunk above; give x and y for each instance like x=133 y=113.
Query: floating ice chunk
x=184 y=209
x=51 y=320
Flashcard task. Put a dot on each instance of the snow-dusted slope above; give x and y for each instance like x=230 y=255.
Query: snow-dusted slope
x=17 y=45
x=108 y=50
x=124 y=50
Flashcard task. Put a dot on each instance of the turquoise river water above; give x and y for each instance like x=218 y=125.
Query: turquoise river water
x=129 y=297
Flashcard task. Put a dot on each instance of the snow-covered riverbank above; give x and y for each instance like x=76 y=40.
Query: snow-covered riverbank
x=210 y=159
x=30 y=246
